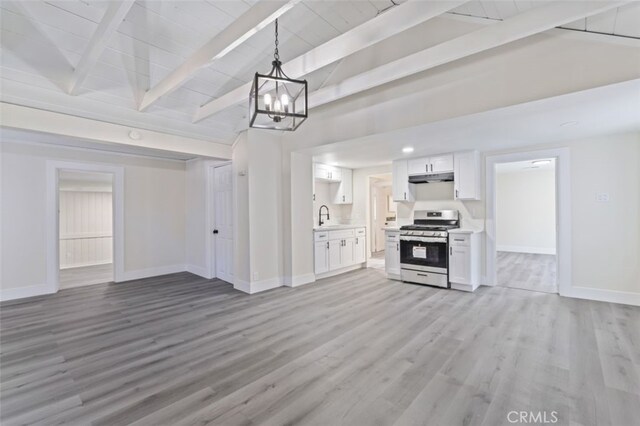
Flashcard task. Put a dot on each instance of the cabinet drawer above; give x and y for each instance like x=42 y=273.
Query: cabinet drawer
x=392 y=237
x=459 y=239
x=321 y=236
x=341 y=234
x=360 y=232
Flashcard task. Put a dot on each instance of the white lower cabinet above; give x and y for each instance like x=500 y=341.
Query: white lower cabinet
x=459 y=265
x=360 y=250
x=464 y=261
x=341 y=249
x=321 y=255
x=335 y=254
x=392 y=254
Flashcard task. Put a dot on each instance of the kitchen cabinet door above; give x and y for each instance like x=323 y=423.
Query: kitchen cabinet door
x=392 y=257
x=360 y=251
x=335 y=254
x=348 y=252
x=418 y=166
x=402 y=189
x=343 y=191
x=320 y=171
x=459 y=264
x=441 y=164
x=321 y=255
x=466 y=176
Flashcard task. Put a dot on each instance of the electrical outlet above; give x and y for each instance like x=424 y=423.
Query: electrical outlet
x=602 y=197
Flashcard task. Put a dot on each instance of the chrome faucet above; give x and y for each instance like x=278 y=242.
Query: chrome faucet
x=320 y=222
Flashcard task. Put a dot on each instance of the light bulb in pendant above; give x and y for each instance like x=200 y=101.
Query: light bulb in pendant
x=285 y=102
x=267 y=102
x=277 y=107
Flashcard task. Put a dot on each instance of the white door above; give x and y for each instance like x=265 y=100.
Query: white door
x=348 y=251
x=392 y=257
x=459 y=264
x=223 y=222
x=360 y=252
x=418 y=166
x=335 y=254
x=321 y=254
x=441 y=164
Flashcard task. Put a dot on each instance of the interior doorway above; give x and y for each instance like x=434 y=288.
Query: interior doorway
x=526 y=225
x=85 y=228
x=382 y=213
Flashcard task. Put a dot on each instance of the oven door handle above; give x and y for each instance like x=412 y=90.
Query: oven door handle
x=424 y=239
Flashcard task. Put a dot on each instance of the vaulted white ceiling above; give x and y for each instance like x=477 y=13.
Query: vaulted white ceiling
x=44 y=42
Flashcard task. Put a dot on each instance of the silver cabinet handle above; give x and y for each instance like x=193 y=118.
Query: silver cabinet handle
x=327 y=245
x=426 y=166
x=456 y=193
x=451 y=251
x=432 y=167
x=397 y=246
x=405 y=195
x=343 y=198
x=422 y=275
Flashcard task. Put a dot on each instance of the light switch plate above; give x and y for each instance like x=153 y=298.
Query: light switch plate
x=602 y=197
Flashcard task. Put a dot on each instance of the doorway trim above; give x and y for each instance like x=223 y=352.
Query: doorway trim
x=563 y=212
x=53 y=217
x=210 y=248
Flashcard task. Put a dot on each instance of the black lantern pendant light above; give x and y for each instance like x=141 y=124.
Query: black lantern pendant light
x=277 y=102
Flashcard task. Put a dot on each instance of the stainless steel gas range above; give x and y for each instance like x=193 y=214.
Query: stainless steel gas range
x=424 y=247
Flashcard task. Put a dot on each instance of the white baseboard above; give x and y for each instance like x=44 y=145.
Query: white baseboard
x=524 y=249
x=257 y=286
x=199 y=271
x=151 y=272
x=299 y=280
x=22 y=292
x=80 y=265
x=601 y=295
x=340 y=271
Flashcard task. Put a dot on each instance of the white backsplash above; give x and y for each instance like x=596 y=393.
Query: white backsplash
x=339 y=214
x=439 y=196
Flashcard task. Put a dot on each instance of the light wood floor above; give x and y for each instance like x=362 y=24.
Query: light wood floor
x=86 y=275
x=527 y=271
x=355 y=349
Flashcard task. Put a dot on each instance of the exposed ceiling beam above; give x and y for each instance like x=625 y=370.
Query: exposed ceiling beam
x=116 y=135
x=528 y=23
x=253 y=20
x=367 y=34
x=116 y=11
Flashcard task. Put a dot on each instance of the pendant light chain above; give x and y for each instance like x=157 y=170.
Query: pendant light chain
x=276 y=55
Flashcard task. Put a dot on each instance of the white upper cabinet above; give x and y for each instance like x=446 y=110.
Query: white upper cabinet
x=466 y=176
x=418 y=166
x=343 y=191
x=402 y=189
x=441 y=164
x=328 y=173
x=429 y=165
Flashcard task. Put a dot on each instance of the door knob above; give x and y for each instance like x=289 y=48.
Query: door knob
x=215 y=231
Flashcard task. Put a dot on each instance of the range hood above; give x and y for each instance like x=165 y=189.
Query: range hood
x=437 y=177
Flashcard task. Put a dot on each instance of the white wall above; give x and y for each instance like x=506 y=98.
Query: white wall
x=526 y=211
x=154 y=213
x=86 y=228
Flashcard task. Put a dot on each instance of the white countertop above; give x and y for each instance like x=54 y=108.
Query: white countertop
x=391 y=228
x=335 y=227
x=465 y=231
